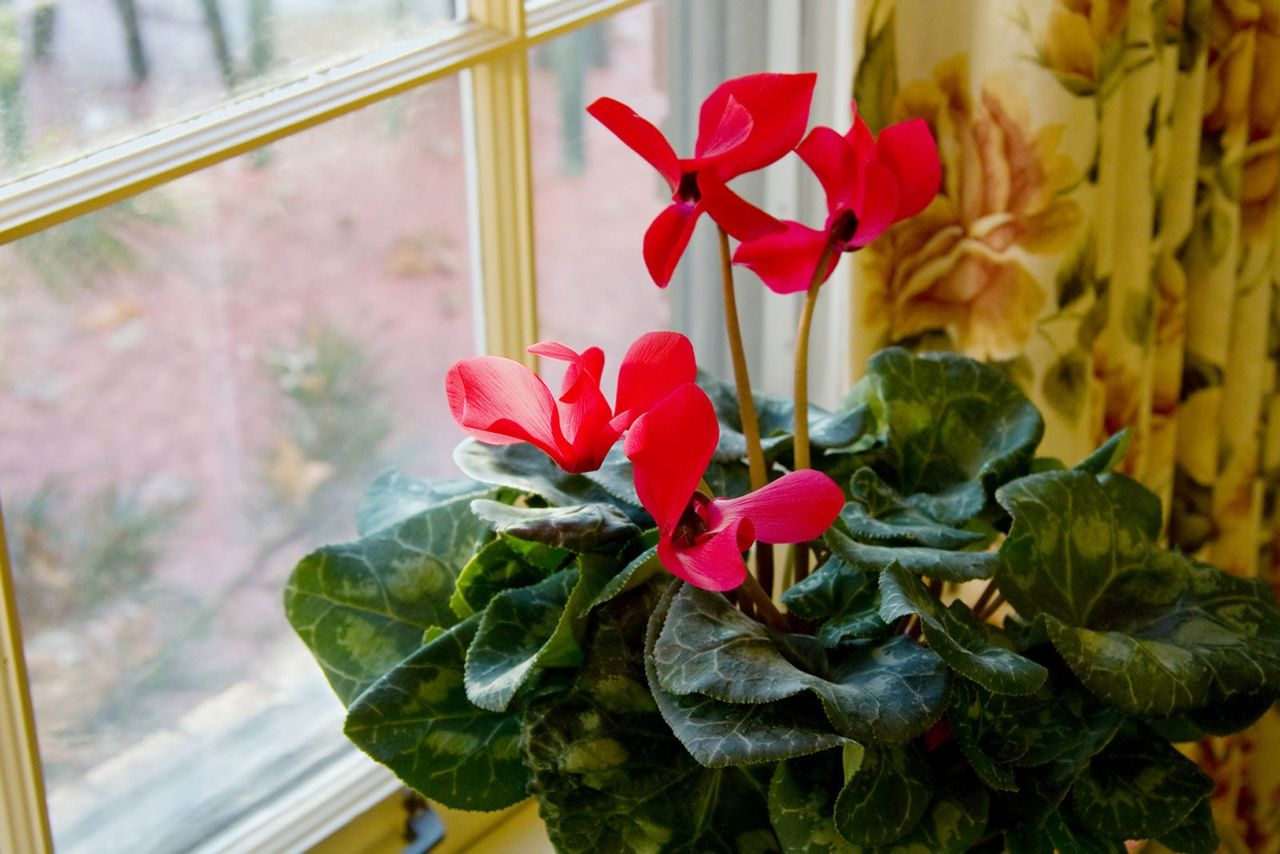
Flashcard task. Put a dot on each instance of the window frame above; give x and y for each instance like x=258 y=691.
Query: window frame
x=489 y=46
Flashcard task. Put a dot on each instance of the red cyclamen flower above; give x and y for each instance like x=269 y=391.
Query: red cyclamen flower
x=701 y=539
x=745 y=124
x=870 y=184
x=500 y=402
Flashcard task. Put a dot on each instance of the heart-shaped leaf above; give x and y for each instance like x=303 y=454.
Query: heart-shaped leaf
x=934 y=563
x=1139 y=787
x=417 y=721
x=886 y=797
x=946 y=427
x=846 y=601
x=395 y=496
x=957 y=636
x=497 y=566
x=581 y=528
x=511 y=638
x=718 y=734
x=361 y=607
x=876 y=513
x=609 y=775
x=890 y=691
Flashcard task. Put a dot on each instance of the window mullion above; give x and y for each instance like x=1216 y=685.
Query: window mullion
x=24 y=821
x=503 y=187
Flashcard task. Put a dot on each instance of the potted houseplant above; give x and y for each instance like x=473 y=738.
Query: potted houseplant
x=973 y=647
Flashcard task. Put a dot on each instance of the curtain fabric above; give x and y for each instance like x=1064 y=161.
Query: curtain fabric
x=1107 y=234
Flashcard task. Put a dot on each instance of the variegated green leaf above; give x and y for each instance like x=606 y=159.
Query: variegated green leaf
x=361 y=607
x=494 y=568
x=395 y=496
x=935 y=563
x=1138 y=787
x=949 y=430
x=877 y=514
x=609 y=775
x=886 y=797
x=957 y=636
x=845 y=600
x=417 y=721
x=511 y=639
x=719 y=734
x=889 y=691
x=581 y=528
x=637 y=572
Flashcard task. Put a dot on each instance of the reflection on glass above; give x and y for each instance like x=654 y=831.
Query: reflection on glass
x=594 y=197
x=79 y=74
x=197 y=385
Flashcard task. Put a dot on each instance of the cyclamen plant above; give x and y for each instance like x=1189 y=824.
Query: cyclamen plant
x=993 y=653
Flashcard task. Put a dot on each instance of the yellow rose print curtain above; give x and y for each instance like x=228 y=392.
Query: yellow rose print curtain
x=1107 y=234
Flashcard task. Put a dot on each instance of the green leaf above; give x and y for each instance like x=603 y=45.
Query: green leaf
x=417 y=721
x=935 y=563
x=955 y=819
x=1069 y=836
x=801 y=805
x=511 y=638
x=876 y=82
x=845 y=599
x=718 y=734
x=494 y=568
x=637 y=572
x=949 y=430
x=886 y=797
x=525 y=468
x=1068 y=541
x=362 y=606
x=1138 y=787
x=891 y=691
x=615 y=477
x=608 y=774
x=877 y=513
x=585 y=527
x=957 y=636
x=1196 y=834
x=1179 y=641
x=1109 y=454
x=395 y=496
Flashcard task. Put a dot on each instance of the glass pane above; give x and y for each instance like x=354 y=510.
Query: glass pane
x=198 y=384
x=76 y=75
x=593 y=197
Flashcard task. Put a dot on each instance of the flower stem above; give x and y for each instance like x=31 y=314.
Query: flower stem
x=765 y=608
x=802 y=390
x=984 y=598
x=746 y=405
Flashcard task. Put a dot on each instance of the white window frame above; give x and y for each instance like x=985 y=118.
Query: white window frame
x=491 y=48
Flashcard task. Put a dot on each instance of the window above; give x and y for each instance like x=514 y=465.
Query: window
x=244 y=242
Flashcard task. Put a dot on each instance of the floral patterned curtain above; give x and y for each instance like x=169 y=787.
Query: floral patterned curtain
x=1107 y=234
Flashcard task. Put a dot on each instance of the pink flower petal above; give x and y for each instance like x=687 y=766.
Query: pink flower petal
x=779 y=107
x=796 y=507
x=786 y=259
x=831 y=158
x=878 y=206
x=669 y=448
x=714 y=562
x=730 y=130
x=667 y=238
x=500 y=401
x=741 y=219
x=654 y=366
x=860 y=137
x=910 y=153
x=638 y=134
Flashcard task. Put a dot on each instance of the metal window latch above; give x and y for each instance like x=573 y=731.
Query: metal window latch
x=422 y=827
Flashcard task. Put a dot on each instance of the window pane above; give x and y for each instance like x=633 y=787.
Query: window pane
x=79 y=74
x=198 y=384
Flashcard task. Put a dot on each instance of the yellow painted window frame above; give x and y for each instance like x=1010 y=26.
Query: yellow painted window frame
x=492 y=45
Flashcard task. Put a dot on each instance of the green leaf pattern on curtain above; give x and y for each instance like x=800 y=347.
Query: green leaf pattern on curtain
x=1106 y=234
